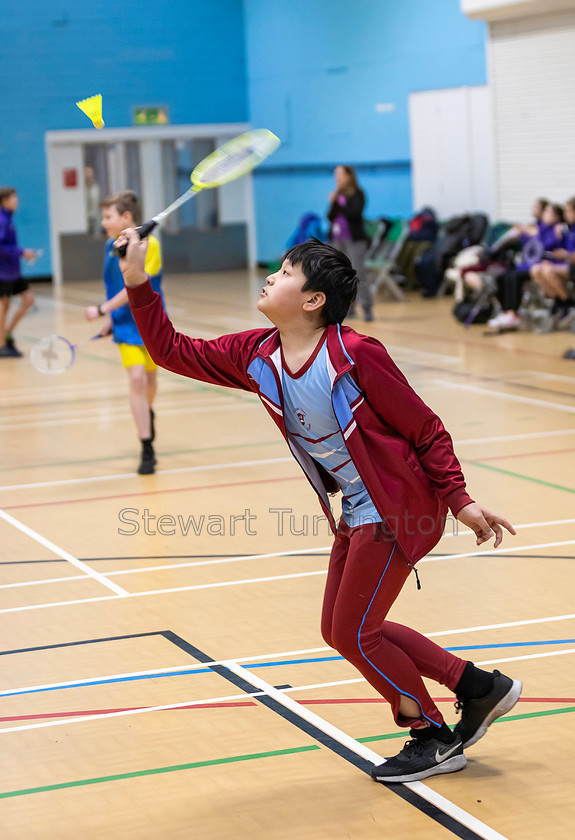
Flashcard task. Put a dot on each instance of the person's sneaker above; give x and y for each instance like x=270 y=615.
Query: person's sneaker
x=368 y=314
x=147 y=464
x=478 y=715
x=148 y=459
x=505 y=321
x=12 y=347
x=9 y=353
x=419 y=759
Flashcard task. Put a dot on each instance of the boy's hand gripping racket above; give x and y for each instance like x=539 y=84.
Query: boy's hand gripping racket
x=55 y=354
x=235 y=158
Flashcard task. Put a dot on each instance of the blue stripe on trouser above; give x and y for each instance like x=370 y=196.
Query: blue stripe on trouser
x=405 y=694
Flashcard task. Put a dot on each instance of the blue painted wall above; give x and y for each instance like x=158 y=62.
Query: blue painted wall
x=186 y=54
x=310 y=70
x=317 y=69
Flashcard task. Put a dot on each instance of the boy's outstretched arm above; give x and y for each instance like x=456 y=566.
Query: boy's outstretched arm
x=484 y=523
x=220 y=361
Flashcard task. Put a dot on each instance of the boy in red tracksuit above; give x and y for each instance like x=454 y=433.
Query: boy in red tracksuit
x=354 y=424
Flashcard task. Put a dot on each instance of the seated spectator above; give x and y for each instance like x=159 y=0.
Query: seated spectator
x=532 y=229
x=522 y=233
x=554 y=276
x=511 y=284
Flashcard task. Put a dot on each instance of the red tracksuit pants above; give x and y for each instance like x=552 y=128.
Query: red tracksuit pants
x=366 y=573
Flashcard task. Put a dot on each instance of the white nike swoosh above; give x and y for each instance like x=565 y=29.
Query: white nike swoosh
x=439 y=757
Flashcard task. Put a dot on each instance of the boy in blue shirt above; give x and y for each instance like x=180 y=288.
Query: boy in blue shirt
x=119 y=212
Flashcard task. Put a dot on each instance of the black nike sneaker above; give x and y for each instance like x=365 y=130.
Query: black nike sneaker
x=477 y=715
x=421 y=758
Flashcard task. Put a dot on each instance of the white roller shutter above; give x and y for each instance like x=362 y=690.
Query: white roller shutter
x=532 y=76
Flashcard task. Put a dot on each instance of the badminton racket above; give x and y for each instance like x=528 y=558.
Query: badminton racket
x=54 y=354
x=534 y=251
x=235 y=158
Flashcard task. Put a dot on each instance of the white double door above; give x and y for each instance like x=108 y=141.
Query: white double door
x=452 y=155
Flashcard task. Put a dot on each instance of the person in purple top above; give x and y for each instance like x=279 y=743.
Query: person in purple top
x=346 y=232
x=549 y=238
x=11 y=281
x=526 y=231
x=555 y=277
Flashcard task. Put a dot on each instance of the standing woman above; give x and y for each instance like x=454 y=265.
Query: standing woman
x=346 y=232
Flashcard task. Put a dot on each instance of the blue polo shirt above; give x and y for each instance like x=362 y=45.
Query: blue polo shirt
x=124 y=327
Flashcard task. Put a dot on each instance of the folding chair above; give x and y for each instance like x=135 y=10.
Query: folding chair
x=380 y=260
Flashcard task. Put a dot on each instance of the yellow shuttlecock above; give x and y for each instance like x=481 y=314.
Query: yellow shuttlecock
x=92 y=107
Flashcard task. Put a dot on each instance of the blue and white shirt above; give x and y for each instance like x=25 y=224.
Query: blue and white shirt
x=310 y=419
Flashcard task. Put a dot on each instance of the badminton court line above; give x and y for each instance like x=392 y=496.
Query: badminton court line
x=245 y=581
x=484 y=392
x=525 y=436
x=294 y=552
x=445 y=805
x=212 y=700
x=217 y=562
x=325 y=733
x=174 y=471
x=79 y=564
x=92 y=417
x=345 y=746
x=190 y=669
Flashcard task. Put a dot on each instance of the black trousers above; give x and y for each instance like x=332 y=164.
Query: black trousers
x=510 y=289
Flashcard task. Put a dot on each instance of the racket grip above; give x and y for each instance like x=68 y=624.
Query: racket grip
x=142 y=231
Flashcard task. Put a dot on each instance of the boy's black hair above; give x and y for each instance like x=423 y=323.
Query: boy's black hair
x=6 y=192
x=329 y=271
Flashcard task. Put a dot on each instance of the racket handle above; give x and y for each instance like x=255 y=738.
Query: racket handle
x=142 y=231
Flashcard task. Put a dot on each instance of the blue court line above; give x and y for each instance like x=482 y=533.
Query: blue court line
x=274 y=664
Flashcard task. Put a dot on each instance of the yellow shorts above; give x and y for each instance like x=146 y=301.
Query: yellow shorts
x=136 y=354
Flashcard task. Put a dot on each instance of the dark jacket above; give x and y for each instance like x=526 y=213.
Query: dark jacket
x=399 y=446
x=353 y=212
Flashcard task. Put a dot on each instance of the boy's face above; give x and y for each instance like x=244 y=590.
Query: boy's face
x=11 y=203
x=282 y=300
x=114 y=223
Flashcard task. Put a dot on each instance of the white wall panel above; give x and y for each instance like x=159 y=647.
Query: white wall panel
x=452 y=150
x=532 y=69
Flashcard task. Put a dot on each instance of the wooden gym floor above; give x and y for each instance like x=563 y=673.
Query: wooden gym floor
x=119 y=592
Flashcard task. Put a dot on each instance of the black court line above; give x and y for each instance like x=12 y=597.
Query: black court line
x=408 y=795
x=162 y=557
x=257 y=556
x=84 y=642
x=427 y=808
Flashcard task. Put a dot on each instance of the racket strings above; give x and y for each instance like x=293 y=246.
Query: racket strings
x=228 y=165
x=235 y=158
x=52 y=354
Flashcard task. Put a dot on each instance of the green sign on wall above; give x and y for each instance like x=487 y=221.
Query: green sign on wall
x=151 y=115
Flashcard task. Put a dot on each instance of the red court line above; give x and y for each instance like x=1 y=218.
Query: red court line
x=152 y=493
x=239 y=703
